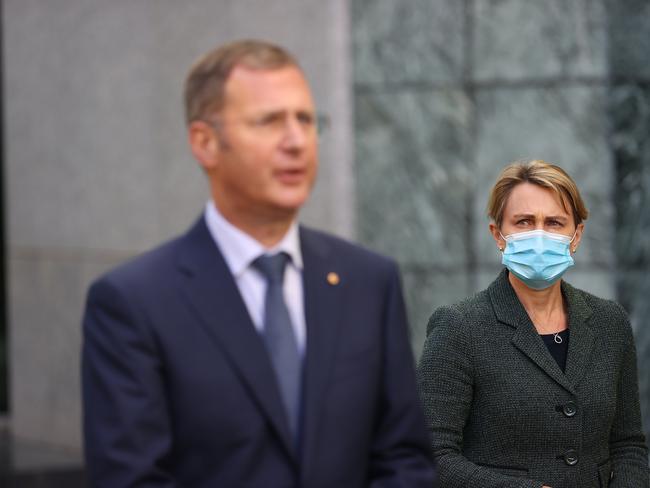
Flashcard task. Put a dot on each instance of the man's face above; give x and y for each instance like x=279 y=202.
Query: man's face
x=268 y=147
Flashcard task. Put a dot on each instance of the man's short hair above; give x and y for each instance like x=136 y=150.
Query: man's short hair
x=206 y=80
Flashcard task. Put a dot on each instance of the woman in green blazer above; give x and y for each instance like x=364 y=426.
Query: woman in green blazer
x=532 y=383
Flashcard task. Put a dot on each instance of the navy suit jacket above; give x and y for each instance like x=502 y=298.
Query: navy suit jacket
x=179 y=390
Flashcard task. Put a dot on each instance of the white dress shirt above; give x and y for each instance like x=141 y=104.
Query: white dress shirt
x=240 y=250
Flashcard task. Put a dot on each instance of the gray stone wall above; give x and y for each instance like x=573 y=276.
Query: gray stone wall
x=448 y=92
x=97 y=168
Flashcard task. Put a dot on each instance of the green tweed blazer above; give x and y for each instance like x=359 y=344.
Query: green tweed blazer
x=501 y=412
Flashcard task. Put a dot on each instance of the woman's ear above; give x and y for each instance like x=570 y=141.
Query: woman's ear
x=496 y=235
x=577 y=237
x=204 y=144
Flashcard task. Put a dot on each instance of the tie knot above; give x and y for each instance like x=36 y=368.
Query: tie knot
x=272 y=267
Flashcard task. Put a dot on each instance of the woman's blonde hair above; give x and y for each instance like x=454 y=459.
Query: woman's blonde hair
x=539 y=173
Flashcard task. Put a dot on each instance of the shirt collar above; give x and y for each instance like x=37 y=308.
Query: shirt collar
x=240 y=249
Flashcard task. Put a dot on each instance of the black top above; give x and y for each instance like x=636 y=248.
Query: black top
x=557 y=349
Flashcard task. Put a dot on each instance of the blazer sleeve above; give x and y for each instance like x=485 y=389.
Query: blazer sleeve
x=446 y=384
x=125 y=414
x=627 y=446
x=400 y=456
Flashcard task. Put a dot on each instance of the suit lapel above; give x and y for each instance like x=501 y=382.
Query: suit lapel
x=529 y=342
x=212 y=292
x=509 y=310
x=581 y=335
x=323 y=301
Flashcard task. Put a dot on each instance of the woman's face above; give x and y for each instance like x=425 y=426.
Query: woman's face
x=532 y=207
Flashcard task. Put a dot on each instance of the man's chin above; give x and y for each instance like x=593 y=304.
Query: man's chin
x=292 y=200
x=288 y=209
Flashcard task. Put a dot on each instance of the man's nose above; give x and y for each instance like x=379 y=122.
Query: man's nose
x=296 y=134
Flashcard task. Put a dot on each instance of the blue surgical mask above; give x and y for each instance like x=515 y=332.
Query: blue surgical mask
x=536 y=257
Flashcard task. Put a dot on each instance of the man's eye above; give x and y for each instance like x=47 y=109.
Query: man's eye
x=306 y=119
x=268 y=120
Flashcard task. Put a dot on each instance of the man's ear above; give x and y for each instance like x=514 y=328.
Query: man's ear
x=204 y=144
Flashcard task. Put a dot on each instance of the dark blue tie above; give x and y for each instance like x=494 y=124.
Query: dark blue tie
x=280 y=338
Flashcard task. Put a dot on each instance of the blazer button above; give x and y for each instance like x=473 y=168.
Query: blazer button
x=569 y=409
x=571 y=457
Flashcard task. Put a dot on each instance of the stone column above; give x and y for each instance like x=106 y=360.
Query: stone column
x=97 y=167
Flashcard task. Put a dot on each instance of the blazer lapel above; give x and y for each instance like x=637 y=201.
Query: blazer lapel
x=581 y=337
x=212 y=292
x=324 y=284
x=509 y=310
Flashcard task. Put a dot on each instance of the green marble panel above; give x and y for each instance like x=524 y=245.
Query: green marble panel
x=413 y=177
x=425 y=289
x=415 y=41
x=533 y=40
x=633 y=291
x=630 y=116
x=629 y=38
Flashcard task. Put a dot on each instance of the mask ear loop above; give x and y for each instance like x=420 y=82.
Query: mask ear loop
x=501 y=249
x=575 y=248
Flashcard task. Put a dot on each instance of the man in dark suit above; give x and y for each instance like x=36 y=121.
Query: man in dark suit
x=252 y=351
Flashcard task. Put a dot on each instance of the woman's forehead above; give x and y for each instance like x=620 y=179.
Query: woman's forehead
x=528 y=198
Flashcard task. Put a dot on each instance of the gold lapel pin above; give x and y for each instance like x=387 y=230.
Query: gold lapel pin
x=333 y=278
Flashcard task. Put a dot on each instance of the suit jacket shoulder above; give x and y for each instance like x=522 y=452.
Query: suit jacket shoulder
x=470 y=313
x=605 y=318
x=143 y=266
x=575 y=295
x=147 y=283
x=352 y=253
x=363 y=268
